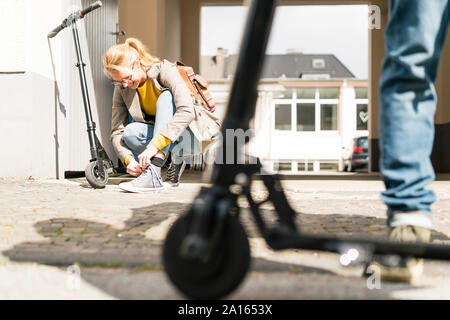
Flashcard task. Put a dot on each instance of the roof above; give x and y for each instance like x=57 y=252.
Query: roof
x=282 y=66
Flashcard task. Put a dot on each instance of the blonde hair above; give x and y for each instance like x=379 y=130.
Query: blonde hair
x=122 y=56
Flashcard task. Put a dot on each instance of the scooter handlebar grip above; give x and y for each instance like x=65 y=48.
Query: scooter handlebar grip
x=92 y=7
x=55 y=31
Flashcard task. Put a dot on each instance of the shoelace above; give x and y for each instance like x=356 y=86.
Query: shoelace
x=155 y=175
x=171 y=172
x=152 y=171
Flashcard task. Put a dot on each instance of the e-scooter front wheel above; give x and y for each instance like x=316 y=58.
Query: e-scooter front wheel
x=217 y=276
x=96 y=178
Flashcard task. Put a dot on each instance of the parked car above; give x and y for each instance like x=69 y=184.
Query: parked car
x=359 y=157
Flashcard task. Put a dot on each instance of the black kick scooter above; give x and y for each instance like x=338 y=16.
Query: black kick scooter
x=100 y=164
x=206 y=252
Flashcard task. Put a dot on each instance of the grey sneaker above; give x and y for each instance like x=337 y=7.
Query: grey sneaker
x=174 y=173
x=149 y=181
x=406 y=269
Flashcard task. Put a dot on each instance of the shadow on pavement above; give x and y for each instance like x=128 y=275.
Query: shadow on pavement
x=137 y=247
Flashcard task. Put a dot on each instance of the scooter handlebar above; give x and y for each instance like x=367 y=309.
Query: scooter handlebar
x=92 y=7
x=55 y=31
x=73 y=17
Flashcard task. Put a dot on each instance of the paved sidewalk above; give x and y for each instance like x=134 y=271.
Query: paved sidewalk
x=115 y=238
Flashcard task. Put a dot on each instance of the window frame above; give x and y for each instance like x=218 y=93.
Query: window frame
x=317 y=103
x=275 y=104
x=318 y=61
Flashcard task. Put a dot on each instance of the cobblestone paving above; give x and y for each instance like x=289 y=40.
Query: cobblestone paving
x=64 y=222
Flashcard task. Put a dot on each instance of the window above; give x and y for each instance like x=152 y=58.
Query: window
x=362 y=116
x=306 y=93
x=328 y=117
x=328 y=111
x=328 y=93
x=305 y=166
x=318 y=63
x=284 y=166
x=361 y=93
x=328 y=166
x=306 y=117
x=362 y=110
x=283 y=117
x=285 y=94
x=309 y=109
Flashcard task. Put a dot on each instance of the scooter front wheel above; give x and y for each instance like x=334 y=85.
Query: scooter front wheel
x=95 y=177
x=218 y=276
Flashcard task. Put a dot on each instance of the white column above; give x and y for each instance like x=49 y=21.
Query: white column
x=348 y=125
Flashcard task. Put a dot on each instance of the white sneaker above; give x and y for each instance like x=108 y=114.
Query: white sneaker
x=149 y=181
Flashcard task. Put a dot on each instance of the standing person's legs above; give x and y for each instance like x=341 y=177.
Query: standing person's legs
x=414 y=40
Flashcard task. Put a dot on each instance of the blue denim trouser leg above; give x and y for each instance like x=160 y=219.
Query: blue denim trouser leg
x=138 y=135
x=414 y=38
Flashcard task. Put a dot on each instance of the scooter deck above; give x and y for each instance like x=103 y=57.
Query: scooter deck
x=367 y=247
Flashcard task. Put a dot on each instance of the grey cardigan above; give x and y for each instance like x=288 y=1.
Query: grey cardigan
x=165 y=76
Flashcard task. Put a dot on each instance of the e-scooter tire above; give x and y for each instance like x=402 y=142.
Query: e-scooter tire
x=217 y=277
x=96 y=179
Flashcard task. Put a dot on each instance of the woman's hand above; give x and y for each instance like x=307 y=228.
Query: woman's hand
x=133 y=168
x=146 y=156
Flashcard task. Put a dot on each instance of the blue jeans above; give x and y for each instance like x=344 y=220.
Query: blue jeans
x=414 y=38
x=137 y=135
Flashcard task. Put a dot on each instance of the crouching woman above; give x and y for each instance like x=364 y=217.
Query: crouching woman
x=165 y=117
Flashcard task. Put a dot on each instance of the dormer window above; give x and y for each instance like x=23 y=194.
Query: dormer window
x=318 y=63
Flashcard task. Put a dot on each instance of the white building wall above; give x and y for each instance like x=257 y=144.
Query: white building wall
x=315 y=146
x=27 y=110
x=261 y=144
x=42 y=118
x=348 y=119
